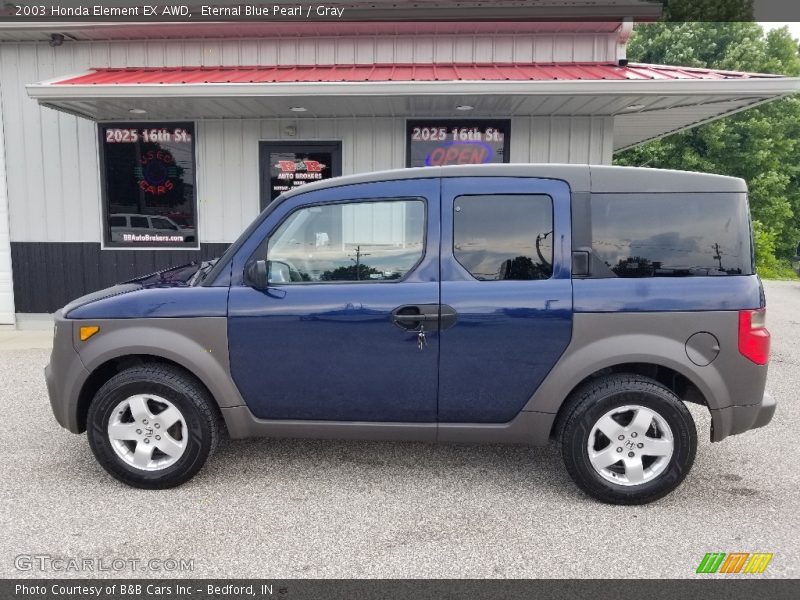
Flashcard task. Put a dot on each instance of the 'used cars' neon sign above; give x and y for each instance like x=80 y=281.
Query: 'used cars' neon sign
x=155 y=172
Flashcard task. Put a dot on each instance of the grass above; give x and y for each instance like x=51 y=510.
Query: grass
x=778 y=270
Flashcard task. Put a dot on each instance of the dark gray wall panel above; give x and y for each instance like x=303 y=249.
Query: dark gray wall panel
x=48 y=275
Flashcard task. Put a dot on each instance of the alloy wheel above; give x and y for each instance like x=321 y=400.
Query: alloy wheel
x=630 y=445
x=148 y=432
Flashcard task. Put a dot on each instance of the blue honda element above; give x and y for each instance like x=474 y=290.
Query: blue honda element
x=531 y=304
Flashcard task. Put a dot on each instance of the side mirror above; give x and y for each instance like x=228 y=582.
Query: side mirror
x=255 y=274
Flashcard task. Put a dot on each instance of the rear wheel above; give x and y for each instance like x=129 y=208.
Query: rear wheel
x=627 y=439
x=152 y=426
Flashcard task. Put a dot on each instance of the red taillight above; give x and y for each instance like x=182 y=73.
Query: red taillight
x=753 y=335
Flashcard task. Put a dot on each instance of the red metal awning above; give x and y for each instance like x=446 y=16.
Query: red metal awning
x=645 y=101
x=399 y=72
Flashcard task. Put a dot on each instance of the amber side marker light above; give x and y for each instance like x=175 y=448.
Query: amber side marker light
x=88 y=331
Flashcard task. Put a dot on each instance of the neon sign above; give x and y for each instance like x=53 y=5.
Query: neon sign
x=460 y=153
x=155 y=172
x=443 y=142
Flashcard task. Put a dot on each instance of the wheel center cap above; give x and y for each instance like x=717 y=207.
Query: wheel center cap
x=630 y=444
x=148 y=432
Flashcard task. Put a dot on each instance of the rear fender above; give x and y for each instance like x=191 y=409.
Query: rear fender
x=604 y=340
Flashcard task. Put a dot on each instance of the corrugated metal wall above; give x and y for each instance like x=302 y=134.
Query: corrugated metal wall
x=484 y=48
x=6 y=280
x=229 y=194
x=52 y=163
x=52 y=166
x=61 y=202
x=227 y=161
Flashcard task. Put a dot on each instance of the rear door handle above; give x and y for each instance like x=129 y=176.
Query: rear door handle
x=411 y=316
x=415 y=318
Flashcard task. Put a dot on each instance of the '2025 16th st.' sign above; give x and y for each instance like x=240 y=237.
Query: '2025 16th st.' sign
x=456 y=142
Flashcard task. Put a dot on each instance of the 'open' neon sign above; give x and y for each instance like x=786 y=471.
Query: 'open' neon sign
x=460 y=153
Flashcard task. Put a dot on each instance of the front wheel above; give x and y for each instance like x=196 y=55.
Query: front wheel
x=627 y=439
x=152 y=426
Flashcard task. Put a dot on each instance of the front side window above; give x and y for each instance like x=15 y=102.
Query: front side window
x=148 y=184
x=358 y=241
x=504 y=237
x=670 y=235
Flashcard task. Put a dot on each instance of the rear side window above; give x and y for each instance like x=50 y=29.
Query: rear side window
x=504 y=237
x=670 y=235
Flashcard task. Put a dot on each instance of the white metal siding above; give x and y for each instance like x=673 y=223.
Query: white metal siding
x=583 y=47
x=228 y=184
x=576 y=140
x=51 y=158
x=6 y=282
x=227 y=161
x=52 y=162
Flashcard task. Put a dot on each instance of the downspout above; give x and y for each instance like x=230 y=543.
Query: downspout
x=623 y=35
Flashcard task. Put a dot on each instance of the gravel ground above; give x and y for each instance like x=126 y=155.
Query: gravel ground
x=293 y=509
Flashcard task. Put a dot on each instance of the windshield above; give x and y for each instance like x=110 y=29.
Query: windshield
x=223 y=261
x=203 y=271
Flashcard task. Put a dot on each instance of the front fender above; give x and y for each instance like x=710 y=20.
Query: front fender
x=200 y=345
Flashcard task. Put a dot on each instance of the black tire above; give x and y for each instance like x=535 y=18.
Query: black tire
x=589 y=403
x=185 y=393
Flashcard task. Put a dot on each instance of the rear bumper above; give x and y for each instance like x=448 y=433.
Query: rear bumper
x=738 y=419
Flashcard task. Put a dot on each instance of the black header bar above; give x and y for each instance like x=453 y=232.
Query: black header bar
x=712 y=588
x=33 y=13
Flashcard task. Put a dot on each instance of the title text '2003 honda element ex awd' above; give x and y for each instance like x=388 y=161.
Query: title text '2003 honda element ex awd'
x=509 y=303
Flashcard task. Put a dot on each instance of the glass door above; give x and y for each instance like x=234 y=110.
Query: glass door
x=287 y=165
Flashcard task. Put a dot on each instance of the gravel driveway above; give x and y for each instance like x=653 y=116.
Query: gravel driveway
x=290 y=509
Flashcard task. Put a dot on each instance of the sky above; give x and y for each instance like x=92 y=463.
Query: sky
x=794 y=28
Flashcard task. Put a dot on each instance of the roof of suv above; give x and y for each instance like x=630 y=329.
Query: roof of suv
x=580 y=178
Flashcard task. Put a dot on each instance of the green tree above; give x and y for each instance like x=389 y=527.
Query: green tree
x=708 y=10
x=761 y=145
x=359 y=272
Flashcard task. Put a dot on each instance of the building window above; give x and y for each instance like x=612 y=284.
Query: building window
x=436 y=143
x=149 y=197
x=670 y=235
x=504 y=237
x=355 y=241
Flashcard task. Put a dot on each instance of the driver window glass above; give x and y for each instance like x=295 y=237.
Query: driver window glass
x=358 y=241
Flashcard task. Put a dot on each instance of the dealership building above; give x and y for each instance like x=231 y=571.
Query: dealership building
x=129 y=147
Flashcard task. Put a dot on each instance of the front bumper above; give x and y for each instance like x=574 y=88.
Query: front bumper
x=738 y=419
x=65 y=376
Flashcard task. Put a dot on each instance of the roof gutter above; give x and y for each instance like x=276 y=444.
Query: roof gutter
x=769 y=86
